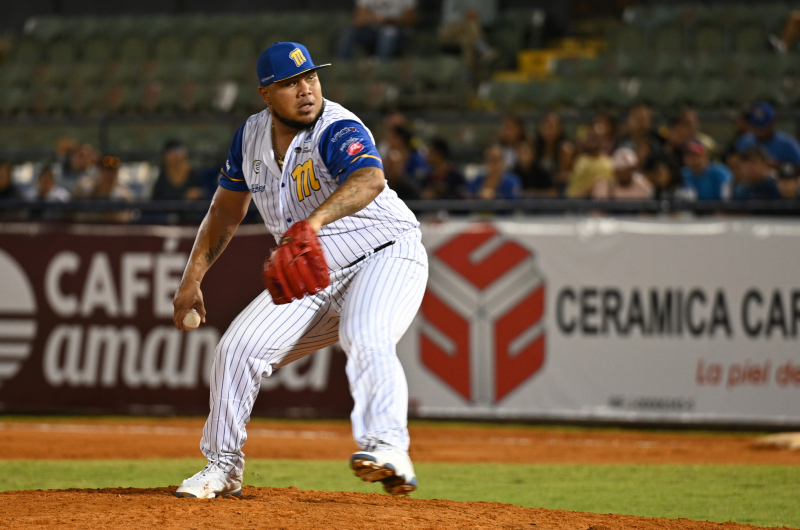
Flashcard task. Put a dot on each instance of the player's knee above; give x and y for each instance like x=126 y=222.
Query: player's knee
x=355 y=342
x=225 y=351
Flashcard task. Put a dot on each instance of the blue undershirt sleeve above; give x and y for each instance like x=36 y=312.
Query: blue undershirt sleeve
x=346 y=146
x=232 y=177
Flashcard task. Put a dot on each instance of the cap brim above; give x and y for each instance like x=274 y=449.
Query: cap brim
x=316 y=67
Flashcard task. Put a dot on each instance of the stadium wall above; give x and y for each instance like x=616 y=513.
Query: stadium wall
x=587 y=319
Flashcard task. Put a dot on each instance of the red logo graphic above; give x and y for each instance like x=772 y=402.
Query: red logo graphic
x=354 y=148
x=482 y=331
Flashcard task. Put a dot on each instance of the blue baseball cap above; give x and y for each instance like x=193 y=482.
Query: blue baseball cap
x=761 y=114
x=283 y=60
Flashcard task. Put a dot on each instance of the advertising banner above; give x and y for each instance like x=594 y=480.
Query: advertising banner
x=609 y=319
x=86 y=324
x=542 y=318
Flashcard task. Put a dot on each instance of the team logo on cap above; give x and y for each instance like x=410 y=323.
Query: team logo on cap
x=297 y=56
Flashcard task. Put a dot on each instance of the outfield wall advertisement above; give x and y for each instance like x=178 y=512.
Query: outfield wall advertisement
x=86 y=324
x=544 y=318
x=600 y=319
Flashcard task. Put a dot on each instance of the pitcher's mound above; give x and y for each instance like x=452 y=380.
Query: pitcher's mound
x=296 y=509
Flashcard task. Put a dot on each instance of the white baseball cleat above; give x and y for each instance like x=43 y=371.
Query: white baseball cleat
x=211 y=482
x=388 y=465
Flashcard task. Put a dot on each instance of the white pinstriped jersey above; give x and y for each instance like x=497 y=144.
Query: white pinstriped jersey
x=283 y=198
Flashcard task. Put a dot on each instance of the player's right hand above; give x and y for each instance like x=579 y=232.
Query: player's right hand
x=187 y=297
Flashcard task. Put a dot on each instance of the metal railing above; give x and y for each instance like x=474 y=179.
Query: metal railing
x=523 y=206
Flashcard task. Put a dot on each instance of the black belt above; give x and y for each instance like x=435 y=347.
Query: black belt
x=376 y=249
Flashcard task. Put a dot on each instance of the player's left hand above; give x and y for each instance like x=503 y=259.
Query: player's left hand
x=297 y=266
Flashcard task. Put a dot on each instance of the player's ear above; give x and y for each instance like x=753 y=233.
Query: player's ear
x=264 y=93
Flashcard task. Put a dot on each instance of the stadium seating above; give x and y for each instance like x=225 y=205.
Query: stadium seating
x=710 y=56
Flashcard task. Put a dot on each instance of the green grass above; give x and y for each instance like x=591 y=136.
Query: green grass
x=759 y=495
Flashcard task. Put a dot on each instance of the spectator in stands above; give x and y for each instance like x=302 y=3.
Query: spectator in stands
x=591 y=166
x=393 y=118
x=663 y=167
x=554 y=151
x=400 y=143
x=496 y=182
x=177 y=180
x=688 y=117
x=780 y=146
x=791 y=32
x=510 y=134
x=106 y=184
x=757 y=178
x=788 y=179
x=640 y=134
x=7 y=188
x=47 y=190
x=79 y=163
x=444 y=180
x=702 y=179
x=606 y=126
x=628 y=182
x=104 y=187
x=461 y=29
x=741 y=126
x=404 y=167
x=378 y=27
x=535 y=180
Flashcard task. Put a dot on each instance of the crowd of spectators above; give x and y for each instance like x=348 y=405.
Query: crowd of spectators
x=79 y=172
x=608 y=159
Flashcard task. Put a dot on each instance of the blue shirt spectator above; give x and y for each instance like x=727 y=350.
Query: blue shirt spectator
x=757 y=182
x=781 y=147
x=763 y=190
x=707 y=181
x=497 y=182
x=509 y=187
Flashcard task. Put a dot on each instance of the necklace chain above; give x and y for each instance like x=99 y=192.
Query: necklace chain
x=278 y=158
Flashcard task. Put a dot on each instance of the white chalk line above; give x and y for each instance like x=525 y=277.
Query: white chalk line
x=71 y=428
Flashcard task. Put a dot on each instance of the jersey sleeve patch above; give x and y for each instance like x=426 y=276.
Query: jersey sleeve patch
x=231 y=174
x=346 y=146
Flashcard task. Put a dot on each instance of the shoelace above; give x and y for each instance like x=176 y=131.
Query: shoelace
x=209 y=467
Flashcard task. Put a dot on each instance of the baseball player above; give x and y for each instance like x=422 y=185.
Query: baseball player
x=313 y=170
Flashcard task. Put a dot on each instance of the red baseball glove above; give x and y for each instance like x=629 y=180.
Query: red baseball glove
x=297 y=266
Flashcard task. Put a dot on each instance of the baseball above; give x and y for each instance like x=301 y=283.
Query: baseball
x=192 y=319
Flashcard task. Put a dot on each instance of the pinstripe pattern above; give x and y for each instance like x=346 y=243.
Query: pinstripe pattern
x=367 y=308
x=274 y=192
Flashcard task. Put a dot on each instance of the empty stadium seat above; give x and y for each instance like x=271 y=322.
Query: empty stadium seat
x=240 y=48
x=169 y=48
x=627 y=39
x=26 y=50
x=133 y=48
x=98 y=49
x=750 y=38
x=205 y=48
x=668 y=39
x=709 y=39
x=13 y=99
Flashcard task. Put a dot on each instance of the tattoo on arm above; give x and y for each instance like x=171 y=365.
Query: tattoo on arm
x=213 y=253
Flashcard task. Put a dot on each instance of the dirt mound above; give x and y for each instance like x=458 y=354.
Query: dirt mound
x=299 y=510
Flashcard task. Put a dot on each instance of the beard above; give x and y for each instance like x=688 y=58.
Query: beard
x=297 y=124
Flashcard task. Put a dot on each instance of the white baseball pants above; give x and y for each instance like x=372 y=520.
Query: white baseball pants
x=367 y=308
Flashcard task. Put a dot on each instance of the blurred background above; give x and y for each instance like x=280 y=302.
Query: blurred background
x=492 y=99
